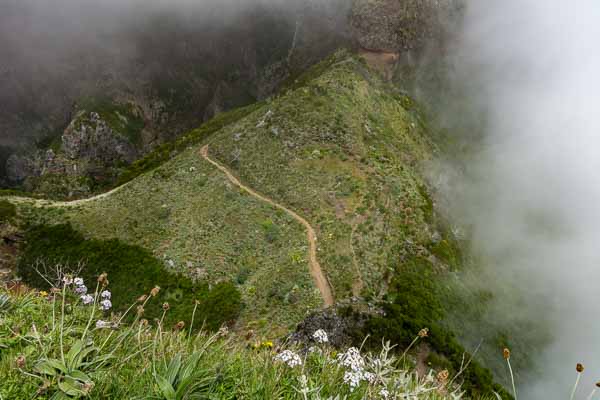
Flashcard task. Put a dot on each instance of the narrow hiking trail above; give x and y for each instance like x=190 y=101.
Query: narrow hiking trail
x=64 y=204
x=315 y=268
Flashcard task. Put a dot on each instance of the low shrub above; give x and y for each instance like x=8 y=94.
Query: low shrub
x=7 y=211
x=133 y=271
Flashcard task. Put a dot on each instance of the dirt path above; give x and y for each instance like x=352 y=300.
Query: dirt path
x=65 y=204
x=315 y=268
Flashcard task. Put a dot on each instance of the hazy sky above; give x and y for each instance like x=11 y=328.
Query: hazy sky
x=533 y=193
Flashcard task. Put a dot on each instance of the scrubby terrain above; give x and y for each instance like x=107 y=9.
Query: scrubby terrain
x=223 y=217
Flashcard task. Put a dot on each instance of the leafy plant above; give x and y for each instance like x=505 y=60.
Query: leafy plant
x=70 y=373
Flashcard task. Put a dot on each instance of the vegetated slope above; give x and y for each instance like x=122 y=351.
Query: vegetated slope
x=340 y=148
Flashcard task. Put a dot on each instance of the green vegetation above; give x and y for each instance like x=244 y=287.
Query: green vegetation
x=53 y=347
x=132 y=271
x=417 y=299
x=344 y=150
x=123 y=119
x=8 y=211
x=169 y=150
x=338 y=147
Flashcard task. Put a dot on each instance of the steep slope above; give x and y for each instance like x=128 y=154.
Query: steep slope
x=339 y=148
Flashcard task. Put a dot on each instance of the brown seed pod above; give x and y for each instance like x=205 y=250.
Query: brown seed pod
x=579 y=368
x=423 y=333
x=103 y=279
x=20 y=362
x=154 y=291
x=506 y=353
x=142 y=298
x=598 y=384
x=166 y=306
x=140 y=311
x=179 y=326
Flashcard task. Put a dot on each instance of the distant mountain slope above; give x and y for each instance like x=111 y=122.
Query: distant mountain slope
x=340 y=148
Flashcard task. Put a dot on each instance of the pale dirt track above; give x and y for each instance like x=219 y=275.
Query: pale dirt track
x=315 y=268
x=52 y=203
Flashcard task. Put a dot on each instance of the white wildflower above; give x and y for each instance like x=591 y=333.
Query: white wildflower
x=78 y=282
x=87 y=299
x=353 y=379
x=320 y=336
x=67 y=280
x=369 y=377
x=81 y=289
x=105 y=305
x=351 y=359
x=103 y=324
x=106 y=295
x=384 y=393
x=290 y=358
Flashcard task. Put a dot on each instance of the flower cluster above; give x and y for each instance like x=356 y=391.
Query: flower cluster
x=351 y=359
x=290 y=358
x=320 y=336
x=103 y=324
x=105 y=304
x=356 y=373
x=80 y=289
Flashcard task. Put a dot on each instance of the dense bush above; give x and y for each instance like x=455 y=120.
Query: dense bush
x=416 y=301
x=7 y=211
x=132 y=272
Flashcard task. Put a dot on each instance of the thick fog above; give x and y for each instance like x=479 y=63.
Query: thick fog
x=54 y=52
x=531 y=193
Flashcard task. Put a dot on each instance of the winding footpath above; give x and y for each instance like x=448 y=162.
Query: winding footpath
x=315 y=268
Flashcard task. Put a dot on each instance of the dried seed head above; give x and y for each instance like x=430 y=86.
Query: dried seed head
x=179 y=326
x=166 y=306
x=506 y=353
x=144 y=322
x=142 y=298
x=598 y=384
x=423 y=333
x=154 y=291
x=20 y=362
x=103 y=279
x=442 y=376
x=140 y=311
x=579 y=368
x=87 y=387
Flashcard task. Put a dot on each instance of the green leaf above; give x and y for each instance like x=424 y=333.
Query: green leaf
x=70 y=387
x=80 y=376
x=73 y=353
x=190 y=366
x=165 y=387
x=77 y=362
x=44 y=368
x=173 y=369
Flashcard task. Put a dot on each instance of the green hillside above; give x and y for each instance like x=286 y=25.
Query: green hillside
x=340 y=148
x=340 y=151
